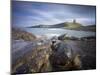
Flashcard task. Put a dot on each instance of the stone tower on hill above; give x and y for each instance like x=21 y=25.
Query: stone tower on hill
x=74 y=20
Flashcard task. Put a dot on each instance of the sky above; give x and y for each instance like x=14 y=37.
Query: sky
x=26 y=14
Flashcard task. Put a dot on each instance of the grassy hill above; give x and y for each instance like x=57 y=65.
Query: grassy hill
x=88 y=28
x=68 y=25
x=71 y=25
x=78 y=26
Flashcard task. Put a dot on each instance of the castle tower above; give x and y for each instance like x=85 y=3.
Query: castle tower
x=74 y=21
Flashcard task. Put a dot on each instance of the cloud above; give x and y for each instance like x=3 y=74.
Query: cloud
x=33 y=13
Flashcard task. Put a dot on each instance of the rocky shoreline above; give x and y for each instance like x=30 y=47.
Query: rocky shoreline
x=61 y=54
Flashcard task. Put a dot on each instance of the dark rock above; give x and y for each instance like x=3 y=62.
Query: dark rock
x=63 y=58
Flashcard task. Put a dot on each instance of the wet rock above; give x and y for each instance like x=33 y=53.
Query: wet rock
x=37 y=60
x=64 y=58
x=18 y=34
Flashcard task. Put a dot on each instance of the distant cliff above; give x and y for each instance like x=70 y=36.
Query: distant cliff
x=68 y=25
